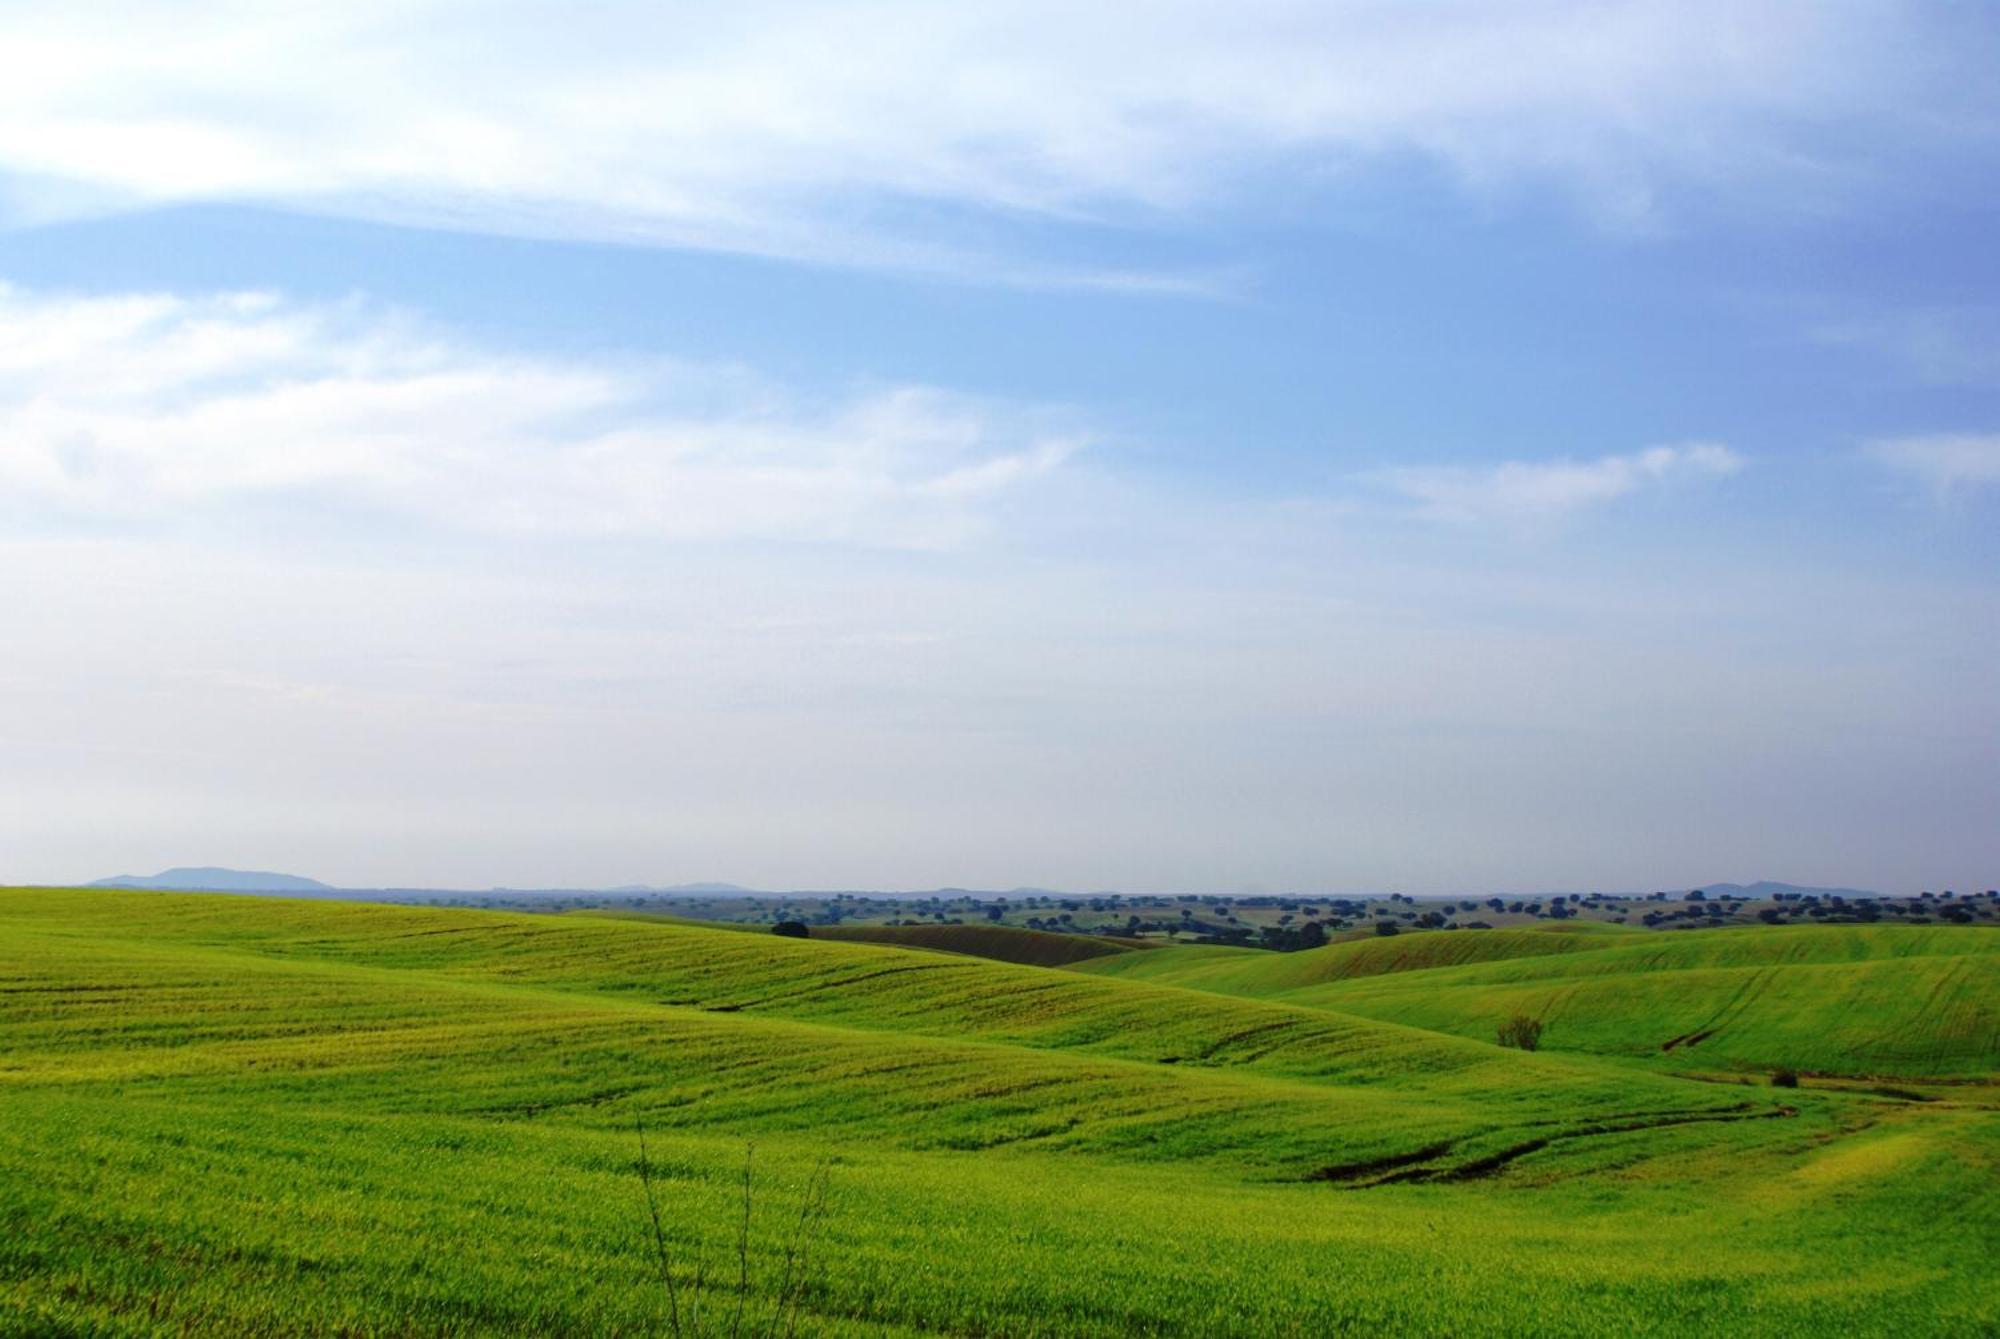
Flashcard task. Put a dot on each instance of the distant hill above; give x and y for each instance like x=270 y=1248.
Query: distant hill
x=729 y=889
x=212 y=879
x=1765 y=889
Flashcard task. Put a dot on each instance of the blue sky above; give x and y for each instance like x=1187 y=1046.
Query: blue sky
x=1314 y=447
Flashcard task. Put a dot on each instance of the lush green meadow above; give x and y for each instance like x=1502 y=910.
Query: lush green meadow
x=1886 y=1000
x=244 y=1115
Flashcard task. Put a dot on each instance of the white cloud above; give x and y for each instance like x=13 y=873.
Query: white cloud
x=1943 y=347
x=1946 y=463
x=828 y=130
x=143 y=408
x=1532 y=492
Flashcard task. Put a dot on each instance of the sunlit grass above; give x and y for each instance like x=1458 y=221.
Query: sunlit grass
x=248 y=1116
x=1889 y=1000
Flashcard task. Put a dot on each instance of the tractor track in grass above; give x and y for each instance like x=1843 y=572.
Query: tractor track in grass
x=1354 y=1171
x=1727 y=1013
x=1422 y=1165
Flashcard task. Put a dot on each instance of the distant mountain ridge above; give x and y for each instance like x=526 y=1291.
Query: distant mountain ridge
x=215 y=879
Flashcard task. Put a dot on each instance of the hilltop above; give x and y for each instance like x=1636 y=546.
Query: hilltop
x=1765 y=890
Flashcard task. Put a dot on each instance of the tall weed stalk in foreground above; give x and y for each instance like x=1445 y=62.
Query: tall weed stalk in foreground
x=685 y=1316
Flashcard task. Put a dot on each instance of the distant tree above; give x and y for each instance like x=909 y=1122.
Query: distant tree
x=791 y=929
x=1387 y=928
x=1312 y=935
x=1521 y=1032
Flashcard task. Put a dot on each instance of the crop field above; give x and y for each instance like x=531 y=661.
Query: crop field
x=255 y=1116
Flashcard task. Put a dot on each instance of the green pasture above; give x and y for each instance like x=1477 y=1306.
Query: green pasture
x=252 y=1116
x=1866 y=1000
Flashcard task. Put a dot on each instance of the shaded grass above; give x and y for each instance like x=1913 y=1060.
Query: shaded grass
x=1001 y=943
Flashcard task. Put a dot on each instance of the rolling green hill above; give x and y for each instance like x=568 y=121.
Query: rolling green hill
x=260 y=1116
x=1001 y=943
x=1889 y=1000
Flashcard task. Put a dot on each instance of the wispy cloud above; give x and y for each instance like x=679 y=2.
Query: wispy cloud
x=1519 y=492
x=1943 y=347
x=1946 y=464
x=852 y=131
x=146 y=407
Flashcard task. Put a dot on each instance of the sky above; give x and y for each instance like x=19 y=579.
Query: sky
x=1264 y=447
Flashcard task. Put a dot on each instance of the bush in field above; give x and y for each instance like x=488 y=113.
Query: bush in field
x=1521 y=1032
x=791 y=929
x=1785 y=1078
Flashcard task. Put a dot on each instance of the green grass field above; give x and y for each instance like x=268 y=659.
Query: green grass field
x=239 y=1115
x=1889 y=1000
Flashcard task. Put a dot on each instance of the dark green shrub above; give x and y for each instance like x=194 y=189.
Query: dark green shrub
x=1521 y=1032
x=791 y=929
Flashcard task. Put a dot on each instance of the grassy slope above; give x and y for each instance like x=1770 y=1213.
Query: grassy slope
x=1001 y=943
x=241 y=1114
x=220 y=972
x=1849 y=999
